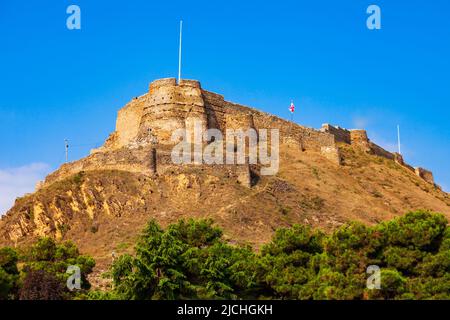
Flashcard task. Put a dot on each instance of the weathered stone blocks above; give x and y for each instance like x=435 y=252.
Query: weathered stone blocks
x=424 y=174
x=359 y=138
x=172 y=106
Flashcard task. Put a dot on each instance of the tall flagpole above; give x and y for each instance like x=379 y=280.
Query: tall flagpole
x=398 y=137
x=179 y=52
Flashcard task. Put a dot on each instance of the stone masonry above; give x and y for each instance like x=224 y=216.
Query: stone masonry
x=142 y=139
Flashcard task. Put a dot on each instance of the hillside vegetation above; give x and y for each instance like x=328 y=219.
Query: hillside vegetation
x=103 y=211
x=191 y=260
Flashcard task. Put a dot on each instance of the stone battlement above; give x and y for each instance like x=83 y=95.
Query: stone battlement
x=151 y=119
x=359 y=138
x=424 y=174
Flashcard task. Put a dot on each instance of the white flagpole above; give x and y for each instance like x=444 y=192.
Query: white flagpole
x=179 y=52
x=398 y=137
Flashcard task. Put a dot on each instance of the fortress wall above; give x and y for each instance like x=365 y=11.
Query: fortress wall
x=239 y=172
x=379 y=151
x=132 y=160
x=213 y=99
x=165 y=82
x=187 y=92
x=215 y=109
x=398 y=158
x=315 y=139
x=242 y=121
x=340 y=134
x=306 y=137
x=233 y=115
x=190 y=83
x=359 y=138
x=127 y=125
x=227 y=114
x=168 y=106
x=171 y=107
x=128 y=120
x=425 y=174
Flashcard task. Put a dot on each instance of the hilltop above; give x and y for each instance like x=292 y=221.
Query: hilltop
x=326 y=178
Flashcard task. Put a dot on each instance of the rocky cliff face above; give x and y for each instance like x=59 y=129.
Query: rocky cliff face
x=326 y=177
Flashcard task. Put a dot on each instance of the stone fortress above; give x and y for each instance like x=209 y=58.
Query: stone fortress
x=142 y=139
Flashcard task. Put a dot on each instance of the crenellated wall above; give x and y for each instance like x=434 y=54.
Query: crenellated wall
x=425 y=174
x=149 y=121
x=359 y=138
x=340 y=134
x=129 y=119
x=172 y=106
x=153 y=117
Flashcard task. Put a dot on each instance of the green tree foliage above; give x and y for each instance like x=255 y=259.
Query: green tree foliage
x=54 y=259
x=284 y=264
x=190 y=260
x=412 y=251
x=9 y=273
x=42 y=274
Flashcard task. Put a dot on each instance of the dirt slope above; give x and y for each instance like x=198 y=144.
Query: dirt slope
x=104 y=210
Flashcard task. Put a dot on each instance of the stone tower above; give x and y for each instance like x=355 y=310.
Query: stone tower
x=172 y=106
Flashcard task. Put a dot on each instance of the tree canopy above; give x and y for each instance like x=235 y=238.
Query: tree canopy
x=42 y=273
x=191 y=260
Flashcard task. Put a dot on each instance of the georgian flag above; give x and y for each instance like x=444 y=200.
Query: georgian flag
x=292 y=107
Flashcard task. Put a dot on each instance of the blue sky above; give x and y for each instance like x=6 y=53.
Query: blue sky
x=57 y=83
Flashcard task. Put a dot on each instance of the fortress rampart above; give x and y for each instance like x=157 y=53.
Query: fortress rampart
x=424 y=174
x=142 y=139
x=169 y=106
x=360 y=139
x=357 y=138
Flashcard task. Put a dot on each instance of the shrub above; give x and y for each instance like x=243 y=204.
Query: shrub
x=187 y=260
x=8 y=272
x=41 y=285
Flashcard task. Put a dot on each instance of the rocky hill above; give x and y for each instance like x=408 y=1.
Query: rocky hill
x=326 y=177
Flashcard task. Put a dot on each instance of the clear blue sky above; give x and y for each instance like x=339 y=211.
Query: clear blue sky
x=56 y=83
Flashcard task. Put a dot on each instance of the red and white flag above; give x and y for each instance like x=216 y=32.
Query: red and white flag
x=292 y=107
